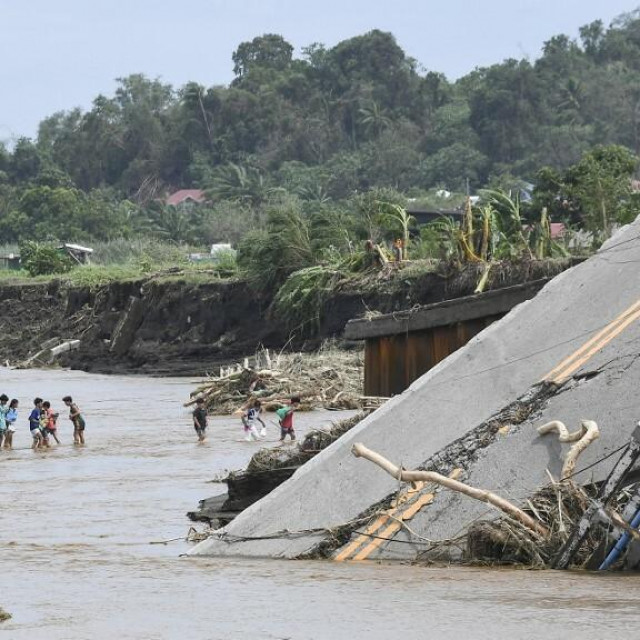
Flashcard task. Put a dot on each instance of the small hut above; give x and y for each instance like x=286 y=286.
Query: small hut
x=78 y=253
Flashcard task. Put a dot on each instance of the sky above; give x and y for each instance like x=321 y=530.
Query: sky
x=55 y=56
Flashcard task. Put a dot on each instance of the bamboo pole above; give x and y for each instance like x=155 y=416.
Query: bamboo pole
x=360 y=451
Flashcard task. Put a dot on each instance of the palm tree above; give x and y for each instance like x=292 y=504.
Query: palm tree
x=374 y=119
x=239 y=183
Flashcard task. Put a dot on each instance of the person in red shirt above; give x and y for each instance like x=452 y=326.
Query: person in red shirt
x=51 y=426
x=286 y=419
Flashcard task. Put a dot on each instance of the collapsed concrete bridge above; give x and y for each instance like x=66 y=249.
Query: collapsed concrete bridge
x=572 y=352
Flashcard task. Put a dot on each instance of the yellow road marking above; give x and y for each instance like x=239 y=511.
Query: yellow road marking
x=598 y=338
x=378 y=523
x=393 y=528
x=413 y=507
x=563 y=375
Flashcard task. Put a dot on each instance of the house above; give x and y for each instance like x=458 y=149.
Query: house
x=425 y=216
x=186 y=196
x=10 y=262
x=78 y=253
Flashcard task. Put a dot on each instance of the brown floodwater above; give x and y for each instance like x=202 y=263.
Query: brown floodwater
x=77 y=525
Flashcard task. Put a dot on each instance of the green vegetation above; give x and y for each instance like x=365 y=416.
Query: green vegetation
x=302 y=160
x=40 y=259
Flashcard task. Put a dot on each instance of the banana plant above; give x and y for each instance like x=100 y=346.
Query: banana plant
x=394 y=216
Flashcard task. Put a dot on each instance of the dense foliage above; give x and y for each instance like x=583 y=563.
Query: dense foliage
x=315 y=134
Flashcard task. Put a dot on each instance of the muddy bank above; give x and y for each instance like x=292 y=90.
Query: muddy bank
x=174 y=326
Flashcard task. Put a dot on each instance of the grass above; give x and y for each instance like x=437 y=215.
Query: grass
x=125 y=260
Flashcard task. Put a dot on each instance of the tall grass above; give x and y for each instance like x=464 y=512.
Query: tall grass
x=123 y=251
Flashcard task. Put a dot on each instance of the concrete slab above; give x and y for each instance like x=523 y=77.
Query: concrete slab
x=490 y=372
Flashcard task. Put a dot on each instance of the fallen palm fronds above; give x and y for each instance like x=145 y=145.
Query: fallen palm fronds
x=329 y=378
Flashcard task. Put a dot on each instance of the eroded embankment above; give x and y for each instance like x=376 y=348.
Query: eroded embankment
x=175 y=326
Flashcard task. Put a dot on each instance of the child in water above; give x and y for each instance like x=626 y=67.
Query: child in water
x=34 y=424
x=51 y=417
x=12 y=418
x=76 y=419
x=200 y=419
x=250 y=416
x=286 y=419
x=4 y=409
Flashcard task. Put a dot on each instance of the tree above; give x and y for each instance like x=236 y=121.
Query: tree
x=26 y=161
x=268 y=51
x=268 y=257
x=241 y=184
x=374 y=119
x=601 y=183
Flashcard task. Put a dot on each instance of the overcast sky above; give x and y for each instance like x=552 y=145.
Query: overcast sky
x=56 y=55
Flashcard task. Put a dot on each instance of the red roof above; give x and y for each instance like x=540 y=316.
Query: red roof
x=195 y=195
x=557 y=229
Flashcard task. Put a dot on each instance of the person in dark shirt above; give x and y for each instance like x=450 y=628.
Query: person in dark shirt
x=200 y=419
x=34 y=424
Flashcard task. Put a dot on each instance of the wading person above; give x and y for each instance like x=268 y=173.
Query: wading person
x=4 y=409
x=76 y=419
x=200 y=419
x=12 y=420
x=34 y=424
x=250 y=416
x=51 y=418
x=43 y=427
x=285 y=414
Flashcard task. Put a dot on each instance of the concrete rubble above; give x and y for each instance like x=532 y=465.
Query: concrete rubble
x=474 y=414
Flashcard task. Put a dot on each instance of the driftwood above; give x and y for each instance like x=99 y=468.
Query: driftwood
x=587 y=433
x=360 y=451
x=329 y=378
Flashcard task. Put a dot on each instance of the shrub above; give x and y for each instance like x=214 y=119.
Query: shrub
x=41 y=259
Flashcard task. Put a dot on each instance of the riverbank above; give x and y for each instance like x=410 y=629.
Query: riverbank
x=176 y=324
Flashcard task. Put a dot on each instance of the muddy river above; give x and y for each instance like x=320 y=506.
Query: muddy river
x=76 y=527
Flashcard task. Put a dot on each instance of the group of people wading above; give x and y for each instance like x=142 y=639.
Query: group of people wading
x=43 y=422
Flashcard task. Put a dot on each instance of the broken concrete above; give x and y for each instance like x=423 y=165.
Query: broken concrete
x=437 y=420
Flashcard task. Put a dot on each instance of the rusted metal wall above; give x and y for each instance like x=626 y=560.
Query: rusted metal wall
x=392 y=363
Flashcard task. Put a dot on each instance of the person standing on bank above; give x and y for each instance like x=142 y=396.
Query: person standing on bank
x=76 y=419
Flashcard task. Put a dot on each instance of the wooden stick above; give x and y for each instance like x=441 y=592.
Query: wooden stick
x=360 y=451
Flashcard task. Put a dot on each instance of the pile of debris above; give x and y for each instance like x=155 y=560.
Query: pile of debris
x=313 y=442
x=330 y=378
x=562 y=525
